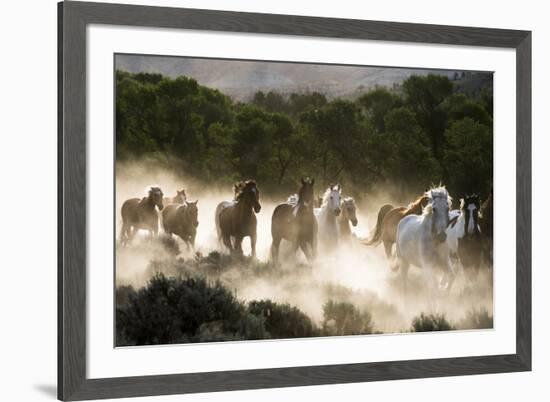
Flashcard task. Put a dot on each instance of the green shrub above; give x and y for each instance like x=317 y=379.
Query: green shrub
x=343 y=318
x=283 y=320
x=477 y=319
x=172 y=310
x=430 y=322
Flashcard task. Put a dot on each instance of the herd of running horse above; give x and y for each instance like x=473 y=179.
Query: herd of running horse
x=427 y=233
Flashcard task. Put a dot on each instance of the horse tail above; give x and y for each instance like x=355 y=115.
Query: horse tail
x=377 y=237
x=394 y=265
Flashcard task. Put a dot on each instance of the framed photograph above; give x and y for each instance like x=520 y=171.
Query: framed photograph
x=256 y=201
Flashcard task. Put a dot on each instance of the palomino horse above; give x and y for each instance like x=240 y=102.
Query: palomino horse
x=236 y=219
x=486 y=224
x=181 y=220
x=179 y=198
x=141 y=214
x=421 y=241
x=463 y=234
x=387 y=221
x=326 y=217
x=347 y=216
x=295 y=222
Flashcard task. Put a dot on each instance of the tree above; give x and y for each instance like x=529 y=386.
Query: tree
x=468 y=157
x=378 y=103
x=284 y=144
x=252 y=149
x=460 y=106
x=423 y=96
x=411 y=165
x=299 y=103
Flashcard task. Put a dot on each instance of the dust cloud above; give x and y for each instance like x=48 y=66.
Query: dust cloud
x=353 y=273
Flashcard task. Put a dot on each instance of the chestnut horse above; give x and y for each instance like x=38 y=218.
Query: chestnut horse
x=388 y=219
x=236 y=219
x=141 y=213
x=181 y=220
x=294 y=221
x=179 y=198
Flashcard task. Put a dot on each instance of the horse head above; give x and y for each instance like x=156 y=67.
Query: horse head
x=332 y=198
x=180 y=197
x=349 y=209
x=305 y=194
x=440 y=203
x=155 y=195
x=192 y=212
x=470 y=206
x=248 y=191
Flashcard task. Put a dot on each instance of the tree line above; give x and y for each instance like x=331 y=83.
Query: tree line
x=404 y=139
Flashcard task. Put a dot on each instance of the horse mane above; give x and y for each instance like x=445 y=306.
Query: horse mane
x=436 y=192
x=416 y=204
x=241 y=186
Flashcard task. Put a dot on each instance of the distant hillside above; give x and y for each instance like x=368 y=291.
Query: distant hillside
x=241 y=79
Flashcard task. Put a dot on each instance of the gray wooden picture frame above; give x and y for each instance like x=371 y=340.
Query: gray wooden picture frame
x=73 y=18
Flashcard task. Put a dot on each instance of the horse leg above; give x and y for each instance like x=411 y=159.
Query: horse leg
x=314 y=244
x=430 y=281
x=450 y=272
x=238 y=247
x=253 y=244
x=307 y=250
x=123 y=235
x=275 y=249
x=132 y=230
x=227 y=242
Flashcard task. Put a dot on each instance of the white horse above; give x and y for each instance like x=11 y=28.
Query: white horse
x=326 y=217
x=421 y=241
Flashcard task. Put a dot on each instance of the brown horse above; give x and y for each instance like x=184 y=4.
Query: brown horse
x=347 y=216
x=236 y=220
x=294 y=221
x=179 y=198
x=181 y=220
x=388 y=219
x=141 y=214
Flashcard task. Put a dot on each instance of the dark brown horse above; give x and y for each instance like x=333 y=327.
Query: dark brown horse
x=388 y=219
x=236 y=219
x=470 y=245
x=141 y=213
x=347 y=216
x=295 y=222
x=179 y=198
x=181 y=220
